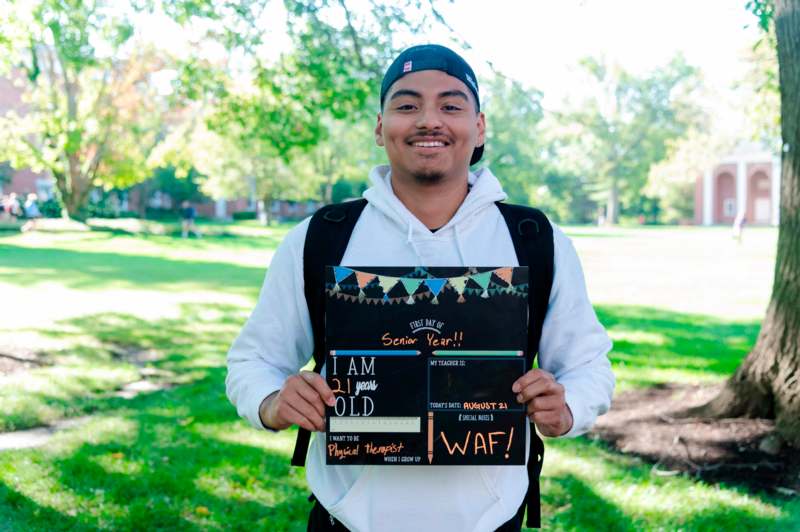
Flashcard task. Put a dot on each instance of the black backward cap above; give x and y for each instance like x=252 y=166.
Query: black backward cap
x=433 y=57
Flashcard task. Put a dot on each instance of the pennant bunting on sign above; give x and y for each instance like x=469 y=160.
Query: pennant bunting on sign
x=421 y=278
x=364 y=278
x=387 y=283
x=341 y=273
x=483 y=281
x=458 y=284
x=411 y=285
x=504 y=274
x=435 y=286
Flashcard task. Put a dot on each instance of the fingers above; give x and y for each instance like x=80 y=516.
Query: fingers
x=529 y=378
x=545 y=403
x=318 y=383
x=311 y=397
x=294 y=409
x=300 y=401
x=299 y=418
x=543 y=386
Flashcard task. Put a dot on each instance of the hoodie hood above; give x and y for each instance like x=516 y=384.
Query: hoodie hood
x=484 y=191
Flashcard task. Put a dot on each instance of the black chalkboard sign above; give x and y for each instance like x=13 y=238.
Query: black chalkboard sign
x=421 y=362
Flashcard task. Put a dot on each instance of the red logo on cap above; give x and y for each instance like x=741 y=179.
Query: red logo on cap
x=407 y=66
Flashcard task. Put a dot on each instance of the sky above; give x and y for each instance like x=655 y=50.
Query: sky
x=539 y=43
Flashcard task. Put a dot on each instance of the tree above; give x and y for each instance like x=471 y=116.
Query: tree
x=618 y=134
x=519 y=152
x=763 y=105
x=89 y=110
x=767 y=384
x=286 y=125
x=672 y=181
x=513 y=141
x=92 y=116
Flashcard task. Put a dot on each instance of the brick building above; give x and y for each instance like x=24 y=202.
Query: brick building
x=745 y=181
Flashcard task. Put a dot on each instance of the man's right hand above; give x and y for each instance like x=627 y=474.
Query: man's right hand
x=301 y=402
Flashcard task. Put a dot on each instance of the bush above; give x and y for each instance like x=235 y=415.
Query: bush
x=50 y=208
x=244 y=215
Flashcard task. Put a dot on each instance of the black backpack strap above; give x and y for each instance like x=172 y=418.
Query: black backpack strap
x=326 y=241
x=532 y=235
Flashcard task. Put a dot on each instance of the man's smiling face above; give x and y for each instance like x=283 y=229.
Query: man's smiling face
x=429 y=127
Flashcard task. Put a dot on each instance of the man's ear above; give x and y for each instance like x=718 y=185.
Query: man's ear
x=379 y=131
x=481 y=129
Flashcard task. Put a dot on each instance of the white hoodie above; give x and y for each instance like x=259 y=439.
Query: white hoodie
x=277 y=341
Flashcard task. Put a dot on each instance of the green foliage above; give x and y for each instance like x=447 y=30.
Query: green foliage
x=616 y=136
x=244 y=215
x=345 y=189
x=89 y=116
x=179 y=189
x=50 y=208
x=764 y=10
x=763 y=85
x=513 y=148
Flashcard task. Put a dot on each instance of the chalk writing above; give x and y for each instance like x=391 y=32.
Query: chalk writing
x=354 y=408
x=365 y=386
x=388 y=340
x=392 y=448
x=485 y=405
x=344 y=451
x=476 y=443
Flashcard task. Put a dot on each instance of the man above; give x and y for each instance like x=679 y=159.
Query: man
x=188 y=214
x=425 y=208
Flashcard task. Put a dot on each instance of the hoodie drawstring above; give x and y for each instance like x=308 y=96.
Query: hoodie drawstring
x=458 y=246
x=410 y=240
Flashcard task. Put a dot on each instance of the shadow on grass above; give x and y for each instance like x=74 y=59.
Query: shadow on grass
x=170 y=350
x=572 y=497
x=583 y=508
x=212 y=237
x=96 y=271
x=650 y=340
x=19 y=512
x=158 y=472
x=177 y=467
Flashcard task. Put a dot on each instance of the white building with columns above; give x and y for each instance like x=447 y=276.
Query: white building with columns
x=745 y=181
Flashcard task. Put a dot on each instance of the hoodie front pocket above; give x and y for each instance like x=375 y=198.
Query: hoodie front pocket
x=356 y=492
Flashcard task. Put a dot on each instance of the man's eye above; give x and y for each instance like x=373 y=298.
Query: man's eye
x=405 y=107
x=449 y=107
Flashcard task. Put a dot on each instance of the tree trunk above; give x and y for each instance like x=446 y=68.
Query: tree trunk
x=267 y=198
x=612 y=207
x=767 y=384
x=72 y=196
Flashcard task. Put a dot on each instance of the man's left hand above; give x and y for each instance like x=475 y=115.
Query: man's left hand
x=545 y=399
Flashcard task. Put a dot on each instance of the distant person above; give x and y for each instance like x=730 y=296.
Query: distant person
x=11 y=207
x=738 y=226
x=188 y=215
x=32 y=212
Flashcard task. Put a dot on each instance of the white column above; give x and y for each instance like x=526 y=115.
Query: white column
x=776 y=190
x=708 y=197
x=741 y=186
x=220 y=209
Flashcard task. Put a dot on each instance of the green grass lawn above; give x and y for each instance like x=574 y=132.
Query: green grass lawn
x=681 y=304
